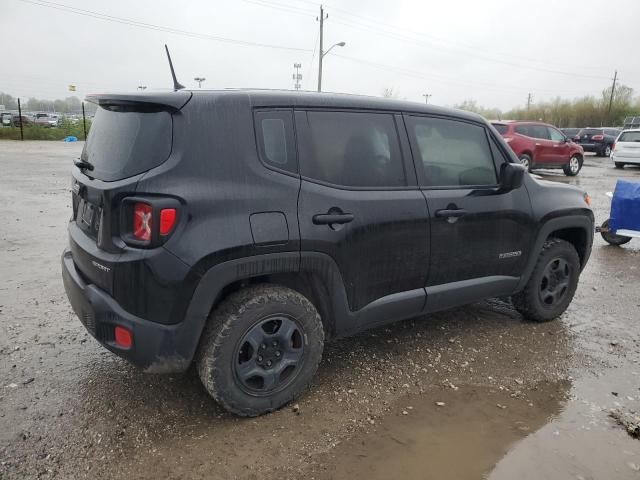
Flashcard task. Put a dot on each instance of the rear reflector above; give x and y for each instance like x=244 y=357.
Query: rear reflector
x=167 y=220
x=142 y=221
x=123 y=337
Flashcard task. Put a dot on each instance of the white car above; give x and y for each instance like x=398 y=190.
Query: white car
x=626 y=150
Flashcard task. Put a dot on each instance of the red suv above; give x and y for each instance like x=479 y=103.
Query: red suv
x=539 y=145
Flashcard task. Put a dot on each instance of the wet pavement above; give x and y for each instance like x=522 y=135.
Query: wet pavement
x=462 y=394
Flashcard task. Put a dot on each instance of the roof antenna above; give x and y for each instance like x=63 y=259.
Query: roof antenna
x=176 y=84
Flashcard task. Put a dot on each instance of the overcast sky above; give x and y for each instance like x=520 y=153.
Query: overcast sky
x=492 y=51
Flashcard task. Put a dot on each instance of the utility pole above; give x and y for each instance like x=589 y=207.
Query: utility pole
x=613 y=90
x=529 y=100
x=297 y=76
x=322 y=18
x=426 y=97
x=199 y=80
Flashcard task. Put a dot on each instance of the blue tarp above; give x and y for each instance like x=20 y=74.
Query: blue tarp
x=70 y=139
x=625 y=207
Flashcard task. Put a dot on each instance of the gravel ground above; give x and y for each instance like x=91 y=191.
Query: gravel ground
x=469 y=392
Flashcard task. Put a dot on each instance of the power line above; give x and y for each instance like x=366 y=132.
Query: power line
x=282 y=7
x=472 y=54
x=431 y=76
x=151 y=26
x=456 y=45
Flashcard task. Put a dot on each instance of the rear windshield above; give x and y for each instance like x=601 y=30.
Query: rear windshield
x=590 y=131
x=629 y=137
x=501 y=128
x=123 y=143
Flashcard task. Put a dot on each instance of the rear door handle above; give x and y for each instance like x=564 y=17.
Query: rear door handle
x=332 y=218
x=458 y=212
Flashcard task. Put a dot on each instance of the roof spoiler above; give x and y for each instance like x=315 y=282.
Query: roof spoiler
x=149 y=100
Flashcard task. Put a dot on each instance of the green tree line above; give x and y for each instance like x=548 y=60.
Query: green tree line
x=589 y=111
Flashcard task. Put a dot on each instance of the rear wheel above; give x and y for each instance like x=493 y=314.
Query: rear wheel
x=573 y=167
x=260 y=349
x=526 y=161
x=619 y=164
x=607 y=151
x=611 y=237
x=552 y=284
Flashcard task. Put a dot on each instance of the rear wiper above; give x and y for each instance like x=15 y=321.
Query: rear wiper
x=83 y=165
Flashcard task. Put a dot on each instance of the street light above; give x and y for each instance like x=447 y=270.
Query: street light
x=321 y=56
x=199 y=80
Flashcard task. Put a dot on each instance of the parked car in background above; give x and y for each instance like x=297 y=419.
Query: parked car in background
x=539 y=145
x=21 y=120
x=598 y=140
x=626 y=149
x=570 y=132
x=46 y=120
x=5 y=119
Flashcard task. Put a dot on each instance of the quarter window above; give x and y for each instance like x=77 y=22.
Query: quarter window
x=353 y=149
x=276 y=140
x=452 y=153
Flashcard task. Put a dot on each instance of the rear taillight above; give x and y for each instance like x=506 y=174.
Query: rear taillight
x=149 y=221
x=598 y=138
x=167 y=220
x=142 y=221
x=613 y=148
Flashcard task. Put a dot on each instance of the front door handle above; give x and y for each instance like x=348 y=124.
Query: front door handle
x=332 y=218
x=458 y=212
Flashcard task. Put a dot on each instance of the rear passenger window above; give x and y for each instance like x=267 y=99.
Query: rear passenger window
x=276 y=142
x=523 y=130
x=353 y=149
x=452 y=153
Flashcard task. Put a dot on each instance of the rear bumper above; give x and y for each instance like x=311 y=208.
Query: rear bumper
x=592 y=147
x=156 y=348
x=623 y=159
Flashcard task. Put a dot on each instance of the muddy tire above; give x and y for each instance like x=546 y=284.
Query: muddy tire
x=260 y=349
x=552 y=284
x=612 y=238
x=619 y=164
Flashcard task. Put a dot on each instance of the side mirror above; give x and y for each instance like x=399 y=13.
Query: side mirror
x=511 y=176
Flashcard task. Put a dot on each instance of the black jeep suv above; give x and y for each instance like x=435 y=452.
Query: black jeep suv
x=241 y=229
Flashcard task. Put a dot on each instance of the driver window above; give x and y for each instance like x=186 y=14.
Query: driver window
x=556 y=136
x=452 y=153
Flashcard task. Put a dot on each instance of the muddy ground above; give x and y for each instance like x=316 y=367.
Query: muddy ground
x=463 y=394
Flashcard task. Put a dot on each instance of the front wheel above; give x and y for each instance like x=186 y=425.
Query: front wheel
x=526 y=161
x=260 y=349
x=610 y=237
x=572 y=168
x=607 y=151
x=552 y=284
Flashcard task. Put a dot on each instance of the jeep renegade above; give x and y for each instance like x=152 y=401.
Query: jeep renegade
x=241 y=229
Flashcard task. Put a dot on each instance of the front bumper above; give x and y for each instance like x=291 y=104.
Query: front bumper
x=156 y=348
